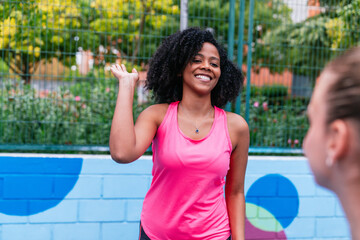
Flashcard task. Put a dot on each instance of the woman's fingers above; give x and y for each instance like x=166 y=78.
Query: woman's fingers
x=123 y=67
x=113 y=68
x=118 y=67
x=120 y=72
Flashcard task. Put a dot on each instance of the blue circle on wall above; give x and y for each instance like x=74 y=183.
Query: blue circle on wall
x=29 y=185
x=277 y=196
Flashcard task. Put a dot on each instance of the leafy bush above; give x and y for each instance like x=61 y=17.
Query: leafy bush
x=275 y=94
x=277 y=120
x=76 y=115
x=269 y=91
x=81 y=114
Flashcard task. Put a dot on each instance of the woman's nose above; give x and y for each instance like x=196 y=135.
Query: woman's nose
x=206 y=65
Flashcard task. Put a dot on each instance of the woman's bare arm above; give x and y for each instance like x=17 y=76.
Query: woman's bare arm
x=234 y=188
x=128 y=141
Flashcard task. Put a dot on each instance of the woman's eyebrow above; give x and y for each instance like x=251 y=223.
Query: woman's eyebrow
x=212 y=57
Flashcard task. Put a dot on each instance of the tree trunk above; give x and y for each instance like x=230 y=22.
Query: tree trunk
x=26 y=78
x=141 y=30
x=23 y=69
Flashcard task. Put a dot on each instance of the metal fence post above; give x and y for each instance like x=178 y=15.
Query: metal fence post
x=231 y=36
x=249 y=55
x=231 y=31
x=183 y=14
x=240 y=48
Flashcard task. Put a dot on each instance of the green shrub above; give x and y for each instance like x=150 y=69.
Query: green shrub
x=275 y=94
x=277 y=121
x=81 y=114
x=76 y=115
x=270 y=91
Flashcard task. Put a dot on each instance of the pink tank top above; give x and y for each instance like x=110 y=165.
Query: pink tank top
x=186 y=197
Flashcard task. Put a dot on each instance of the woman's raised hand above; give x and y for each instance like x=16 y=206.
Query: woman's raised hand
x=122 y=74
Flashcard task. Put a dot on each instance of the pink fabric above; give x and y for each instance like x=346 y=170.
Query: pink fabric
x=186 y=197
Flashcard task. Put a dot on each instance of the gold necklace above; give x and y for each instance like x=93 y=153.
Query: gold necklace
x=197 y=130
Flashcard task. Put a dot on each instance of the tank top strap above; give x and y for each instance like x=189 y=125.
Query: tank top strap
x=221 y=126
x=170 y=115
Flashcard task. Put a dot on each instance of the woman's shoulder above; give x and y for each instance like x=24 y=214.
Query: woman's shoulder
x=156 y=112
x=236 y=123
x=158 y=108
x=238 y=128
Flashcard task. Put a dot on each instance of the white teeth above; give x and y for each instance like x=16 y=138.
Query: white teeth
x=203 y=77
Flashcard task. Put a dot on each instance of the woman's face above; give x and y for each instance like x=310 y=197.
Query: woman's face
x=316 y=138
x=202 y=73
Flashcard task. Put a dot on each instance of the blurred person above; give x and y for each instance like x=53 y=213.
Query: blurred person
x=195 y=143
x=332 y=143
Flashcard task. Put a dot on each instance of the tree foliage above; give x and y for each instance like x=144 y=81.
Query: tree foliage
x=305 y=47
x=130 y=30
x=34 y=30
x=268 y=14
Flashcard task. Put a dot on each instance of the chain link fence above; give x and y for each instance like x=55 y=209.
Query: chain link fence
x=57 y=92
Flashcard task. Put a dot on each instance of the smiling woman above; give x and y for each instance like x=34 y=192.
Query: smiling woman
x=203 y=71
x=171 y=58
x=195 y=143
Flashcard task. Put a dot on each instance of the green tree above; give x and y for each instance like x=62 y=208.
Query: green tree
x=268 y=14
x=306 y=47
x=132 y=29
x=34 y=30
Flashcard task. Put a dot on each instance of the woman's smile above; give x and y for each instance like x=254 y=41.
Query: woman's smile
x=203 y=78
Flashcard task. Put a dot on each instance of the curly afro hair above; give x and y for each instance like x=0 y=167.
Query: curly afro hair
x=171 y=58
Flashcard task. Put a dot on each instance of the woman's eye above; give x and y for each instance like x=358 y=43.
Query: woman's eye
x=196 y=60
x=214 y=65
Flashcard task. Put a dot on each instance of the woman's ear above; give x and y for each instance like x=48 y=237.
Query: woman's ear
x=338 y=140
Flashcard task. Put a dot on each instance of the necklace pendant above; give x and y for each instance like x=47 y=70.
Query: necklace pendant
x=197 y=131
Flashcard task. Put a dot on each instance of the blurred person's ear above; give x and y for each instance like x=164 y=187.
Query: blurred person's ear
x=338 y=140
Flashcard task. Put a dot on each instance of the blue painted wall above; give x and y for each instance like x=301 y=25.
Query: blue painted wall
x=55 y=197
x=30 y=185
